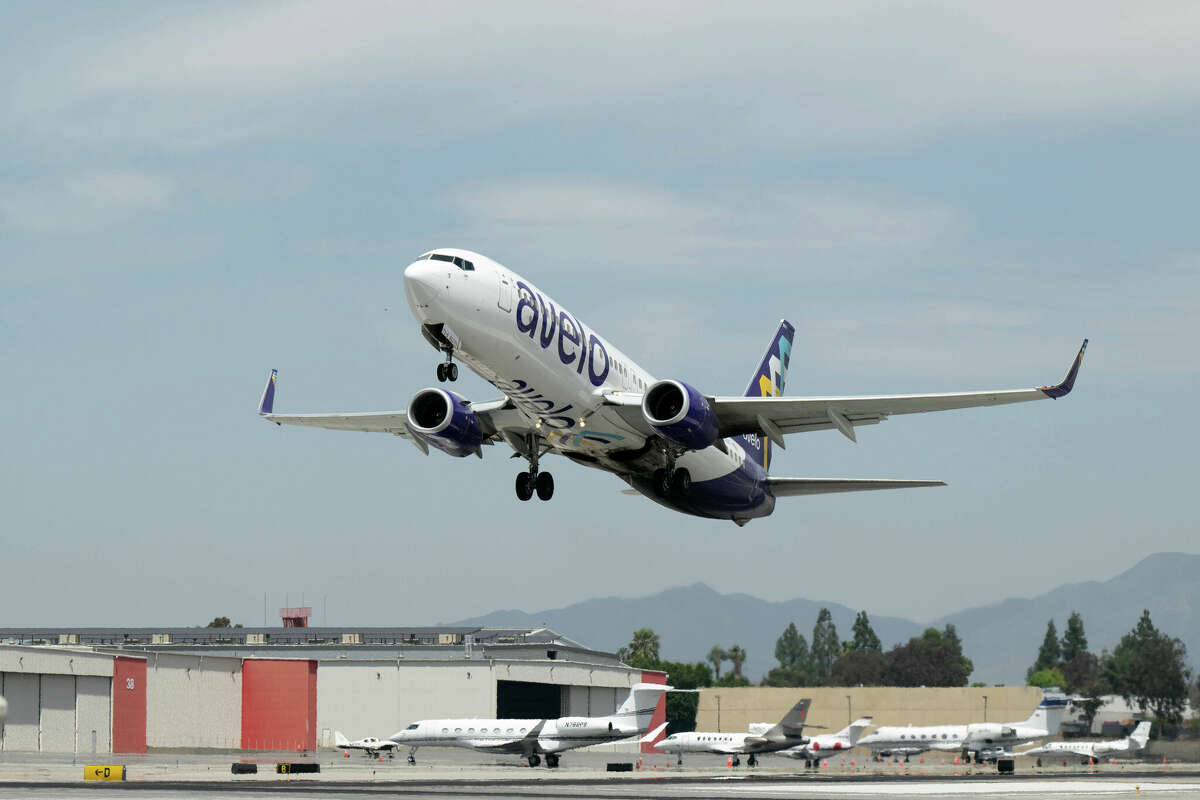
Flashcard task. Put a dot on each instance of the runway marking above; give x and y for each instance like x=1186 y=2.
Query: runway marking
x=951 y=788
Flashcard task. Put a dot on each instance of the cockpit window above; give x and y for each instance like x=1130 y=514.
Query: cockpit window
x=461 y=263
x=412 y=727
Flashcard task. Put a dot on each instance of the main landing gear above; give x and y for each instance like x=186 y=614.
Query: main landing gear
x=447 y=371
x=552 y=760
x=535 y=759
x=672 y=482
x=752 y=761
x=534 y=481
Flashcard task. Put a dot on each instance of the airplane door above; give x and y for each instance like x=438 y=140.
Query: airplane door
x=506 y=292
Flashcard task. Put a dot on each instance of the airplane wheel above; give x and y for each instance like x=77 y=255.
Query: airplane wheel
x=452 y=371
x=545 y=490
x=682 y=482
x=524 y=486
x=662 y=483
x=551 y=760
x=441 y=373
x=534 y=759
x=752 y=761
x=737 y=762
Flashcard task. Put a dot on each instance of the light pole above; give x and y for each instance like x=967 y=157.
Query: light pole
x=718 y=712
x=849 y=713
x=985 y=708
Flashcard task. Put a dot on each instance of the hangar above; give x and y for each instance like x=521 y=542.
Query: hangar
x=292 y=687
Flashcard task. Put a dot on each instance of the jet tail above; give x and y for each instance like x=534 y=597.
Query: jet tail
x=855 y=730
x=1048 y=715
x=794 y=721
x=1140 y=735
x=267 y=404
x=641 y=703
x=768 y=381
x=339 y=739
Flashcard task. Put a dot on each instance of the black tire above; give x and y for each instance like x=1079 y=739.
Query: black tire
x=441 y=373
x=662 y=482
x=524 y=486
x=682 y=482
x=534 y=759
x=452 y=371
x=545 y=490
x=551 y=761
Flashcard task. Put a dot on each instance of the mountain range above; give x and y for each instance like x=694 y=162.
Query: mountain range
x=1001 y=639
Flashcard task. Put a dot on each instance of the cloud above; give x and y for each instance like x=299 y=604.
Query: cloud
x=83 y=202
x=776 y=77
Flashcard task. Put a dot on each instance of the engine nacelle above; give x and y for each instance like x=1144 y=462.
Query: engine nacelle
x=446 y=421
x=680 y=413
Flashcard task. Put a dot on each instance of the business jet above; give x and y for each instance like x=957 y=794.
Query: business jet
x=820 y=748
x=763 y=737
x=1093 y=751
x=370 y=746
x=987 y=740
x=568 y=391
x=533 y=738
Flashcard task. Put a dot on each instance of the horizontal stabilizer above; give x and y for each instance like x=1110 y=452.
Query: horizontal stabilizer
x=794 y=487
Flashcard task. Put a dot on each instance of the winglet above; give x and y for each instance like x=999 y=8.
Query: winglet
x=267 y=404
x=1068 y=383
x=654 y=734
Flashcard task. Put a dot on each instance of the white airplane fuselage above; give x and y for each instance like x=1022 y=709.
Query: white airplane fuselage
x=555 y=370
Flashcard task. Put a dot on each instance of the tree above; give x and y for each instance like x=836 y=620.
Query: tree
x=826 y=647
x=858 y=668
x=1049 y=654
x=1150 y=668
x=644 y=644
x=1074 y=640
x=717 y=657
x=934 y=658
x=737 y=656
x=220 y=622
x=864 y=636
x=1045 y=678
x=795 y=661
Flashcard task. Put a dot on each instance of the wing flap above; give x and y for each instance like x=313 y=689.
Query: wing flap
x=795 y=487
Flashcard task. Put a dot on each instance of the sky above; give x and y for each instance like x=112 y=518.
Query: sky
x=939 y=196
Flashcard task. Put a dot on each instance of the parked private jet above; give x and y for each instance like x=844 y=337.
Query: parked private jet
x=533 y=738
x=763 y=737
x=1088 y=751
x=820 y=748
x=568 y=391
x=987 y=740
x=370 y=746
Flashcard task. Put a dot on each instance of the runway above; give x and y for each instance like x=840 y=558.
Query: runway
x=450 y=775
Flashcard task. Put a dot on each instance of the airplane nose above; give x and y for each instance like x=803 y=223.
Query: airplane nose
x=423 y=281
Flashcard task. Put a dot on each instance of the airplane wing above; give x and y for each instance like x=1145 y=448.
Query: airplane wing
x=495 y=416
x=774 y=417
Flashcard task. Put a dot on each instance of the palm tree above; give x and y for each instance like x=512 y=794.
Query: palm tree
x=717 y=657
x=644 y=644
x=738 y=656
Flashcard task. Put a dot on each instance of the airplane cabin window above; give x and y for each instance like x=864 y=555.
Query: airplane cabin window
x=445 y=730
x=458 y=730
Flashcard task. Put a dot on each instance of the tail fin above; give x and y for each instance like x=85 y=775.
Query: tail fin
x=1140 y=735
x=1048 y=715
x=855 y=730
x=794 y=721
x=768 y=381
x=642 y=701
x=339 y=739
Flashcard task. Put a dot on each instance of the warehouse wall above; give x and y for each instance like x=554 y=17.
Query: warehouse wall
x=193 y=701
x=279 y=704
x=56 y=697
x=887 y=705
x=378 y=698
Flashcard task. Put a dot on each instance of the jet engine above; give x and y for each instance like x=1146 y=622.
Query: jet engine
x=446 y=421
x=680 y=413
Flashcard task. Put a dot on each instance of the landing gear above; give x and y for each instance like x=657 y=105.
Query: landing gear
x=533 y=480
x=534 y=759
x=412 y=756
x=752 y=761
x=447 y=371
x=672 y=482
x=737 y=762
x=552 y=760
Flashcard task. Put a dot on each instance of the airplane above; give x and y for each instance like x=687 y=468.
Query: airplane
x=370 y=746
x=820 y=748
x=1093 y=751
x=533 y=738
x=568 y=391
x=762 y=737
x=987 y=740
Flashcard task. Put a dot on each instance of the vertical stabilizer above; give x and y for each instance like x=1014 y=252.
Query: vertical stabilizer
x=855 y=730
x=768 y=381
x=1048 y=715
x=793 y=722
x=267 y=404
x=1140 y=735
x=642 y=701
